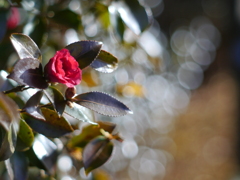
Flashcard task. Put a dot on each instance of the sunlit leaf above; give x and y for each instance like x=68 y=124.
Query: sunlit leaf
x=28 y=72
x=133 y=14
x=90 y=78
x=102 y=13
x=54 y=126
x=102 y=103
x=117 y=22
x=25 y=137
x=43 y=153
x=105 y=62
x=89 y=132
x=80 y=113
x=9 y=126
x=85 y=52
x=67 y=18
x=32 y=106
x=7 y=142
x=25 y=46
x=9 y=114
x=96 y=153
x=17 y=99
x=56 y=98
x=19 y=165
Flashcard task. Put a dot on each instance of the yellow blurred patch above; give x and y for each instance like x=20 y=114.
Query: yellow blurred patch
x=131 y=89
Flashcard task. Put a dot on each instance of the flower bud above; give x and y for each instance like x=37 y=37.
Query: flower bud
x=70 y=92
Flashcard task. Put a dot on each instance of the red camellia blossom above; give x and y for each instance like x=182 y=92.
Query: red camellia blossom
x=63 y=68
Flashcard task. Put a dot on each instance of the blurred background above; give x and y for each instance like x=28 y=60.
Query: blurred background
x=178 y=72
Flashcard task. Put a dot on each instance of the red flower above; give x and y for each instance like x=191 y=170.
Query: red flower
x=14 y=18
x=63 y=68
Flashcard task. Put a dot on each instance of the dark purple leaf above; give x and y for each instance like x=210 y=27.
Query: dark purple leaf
x=85 y=52
x=56 y=98
x=54 y=126
x=105 y=62
x=28 y=72
x=96 y=153
x=102 y=103
x=32 y=106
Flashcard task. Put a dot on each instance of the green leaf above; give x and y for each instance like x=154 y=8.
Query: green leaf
x=133 y=15
x=25 y=46
x=54 y=126
x=117 y=23
x=17 y=100
x=32 y=106
x=67 y=18
x=25 y=137
x=102 y=103
x=56 y=98
x=85 y=52
x=80 y=113
x=96 y=153
x=90 y=132
x=105 y=62
x=19 y=165
x=29 y=72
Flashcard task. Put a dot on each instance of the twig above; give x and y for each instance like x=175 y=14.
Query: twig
x=16 y=89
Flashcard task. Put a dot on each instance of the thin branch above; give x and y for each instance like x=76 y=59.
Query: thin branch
x=17 y=89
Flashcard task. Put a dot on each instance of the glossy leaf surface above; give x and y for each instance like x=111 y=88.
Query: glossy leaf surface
x=8 y=113
x=29 y=72
x=105 y=62
x=80 y=113
x=85 y=52
x=25 y=46
x=25 y=137
x=117 y=22
x=56 y=98
x=32 y=106
x=43 y=153
x=90 y=132
x=102 y=103
x=133 y=15
x=9 y=126
x=96 y=153
x=54 y=126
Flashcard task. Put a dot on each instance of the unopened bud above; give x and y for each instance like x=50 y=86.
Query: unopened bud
x=70 y=92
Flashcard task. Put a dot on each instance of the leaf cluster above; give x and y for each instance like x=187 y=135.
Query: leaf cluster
x=27 y=127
